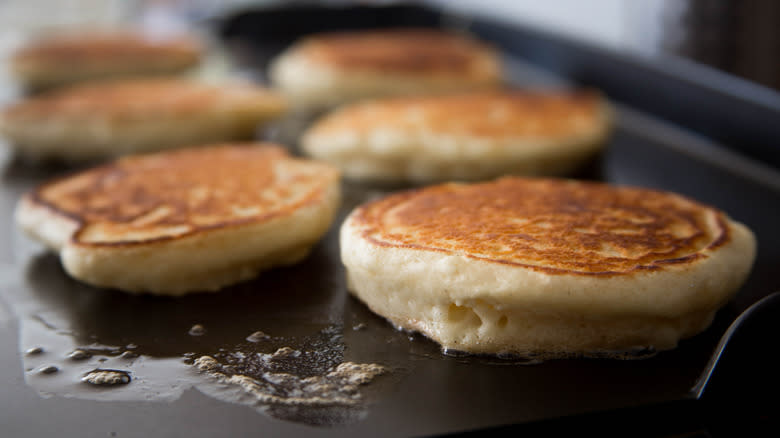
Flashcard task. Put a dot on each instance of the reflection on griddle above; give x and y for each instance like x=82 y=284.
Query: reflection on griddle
x=276 y=343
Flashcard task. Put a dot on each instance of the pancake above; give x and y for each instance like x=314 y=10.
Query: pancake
x=545 y=267
x=67 y=58
x=107 y=119
x=331 y=68
x=187 y=220
x=469 y=136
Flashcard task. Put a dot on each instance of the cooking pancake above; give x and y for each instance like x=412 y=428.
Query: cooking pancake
x=332 y=68
x=545 y=267
x=471 y=136
x=187 y=220
x=106 y=119
x=67 y=58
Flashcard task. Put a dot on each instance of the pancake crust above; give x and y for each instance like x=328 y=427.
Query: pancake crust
x=194 y=219
x=331 y=68
x=545 y=266
x=69 y=58
x=467 y=136
x=411 y=51
x=553 y=226
x=114 y=118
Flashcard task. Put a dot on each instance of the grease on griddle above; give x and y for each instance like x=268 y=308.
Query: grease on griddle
x=49 y=369
x=338 y=387
x=257 y=336
x=34 y=351
x=86 y=331
x=128 y=355
x=106 y=377
x=197 y=330
x=311 y=375
x=281 y=353
x=536 y=358
x=79 y=355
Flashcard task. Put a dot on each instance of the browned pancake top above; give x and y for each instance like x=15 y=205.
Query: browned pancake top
x=172 y=194
x=108 y=47
x=481 y=114
x=143 y=98
x=554 y=226
x=401 y=50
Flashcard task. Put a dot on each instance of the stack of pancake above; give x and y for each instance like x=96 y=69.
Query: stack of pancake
x=522 y=264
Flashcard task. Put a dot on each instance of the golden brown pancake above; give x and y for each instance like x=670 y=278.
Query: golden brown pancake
x=552 y=226
x=541 y=266
x=488 y=114
x=60 y=59
x=465 y=136
x=330 y=68
x=410 y=51
x=114 y=118
x=181 y=221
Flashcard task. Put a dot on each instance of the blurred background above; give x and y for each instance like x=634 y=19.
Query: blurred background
x=741 y=37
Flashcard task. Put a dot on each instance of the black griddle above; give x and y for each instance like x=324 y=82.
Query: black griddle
x=657 y=144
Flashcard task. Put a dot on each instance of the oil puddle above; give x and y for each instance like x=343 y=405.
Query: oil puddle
x=276 y=344
x=310 y=382
x=103 y=377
